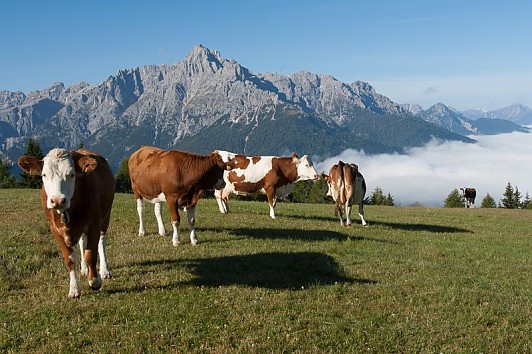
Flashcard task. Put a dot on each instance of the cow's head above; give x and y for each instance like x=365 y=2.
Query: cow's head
x=327 y=179
x=58 y=170
x=305 y=170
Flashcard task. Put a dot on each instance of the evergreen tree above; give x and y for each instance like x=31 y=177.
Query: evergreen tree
x=508 y=197
x=389 y=200
x=516 y=198
x=6 y=179
x=454 y=200
x=27 y=180
x=377 y=197
x=488 y=202
x=527 y=202
x=122 y=181
x=318 y=192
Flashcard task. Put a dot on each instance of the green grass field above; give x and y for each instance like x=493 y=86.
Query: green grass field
x=417 y=280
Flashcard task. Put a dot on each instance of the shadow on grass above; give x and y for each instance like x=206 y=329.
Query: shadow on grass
x=298 y=234
x=288 y=271
x=422 y=227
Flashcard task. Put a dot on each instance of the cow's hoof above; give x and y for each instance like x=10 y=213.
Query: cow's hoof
x=96 y=283
x=73 y=295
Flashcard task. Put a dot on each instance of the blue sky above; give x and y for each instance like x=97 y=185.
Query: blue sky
x=467 y=54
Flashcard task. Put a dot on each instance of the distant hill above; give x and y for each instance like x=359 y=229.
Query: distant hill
x=206 y=102
x=517 y=113
x=479 y=123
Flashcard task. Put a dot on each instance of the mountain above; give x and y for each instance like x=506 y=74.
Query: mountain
x=206 y=102
x=517 y=113
x=457 y=122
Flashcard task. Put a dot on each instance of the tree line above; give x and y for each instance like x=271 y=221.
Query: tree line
x=511 y=199
x=304 y=191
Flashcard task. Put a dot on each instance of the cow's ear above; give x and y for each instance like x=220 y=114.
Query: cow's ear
x=31 y=165
x=229 y=165
x=85 y=165
x=295 y=158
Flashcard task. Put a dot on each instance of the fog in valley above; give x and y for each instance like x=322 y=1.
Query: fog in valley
x=427 y=174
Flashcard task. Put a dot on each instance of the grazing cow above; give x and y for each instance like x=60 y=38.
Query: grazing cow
x=270 y=175
x=469 y=195
x=346 y=187
x=175 y=177
x=77 y=196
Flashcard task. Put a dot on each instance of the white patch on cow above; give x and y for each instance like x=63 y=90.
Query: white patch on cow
x=191 y=213
x=159 y=199
x=225 y=155
x=140 y=212
x=256 y=171
x=58 y=177
x=175 y=236
x=73 y=291
x=159 y=216
x=104 y=268
x=82 y=248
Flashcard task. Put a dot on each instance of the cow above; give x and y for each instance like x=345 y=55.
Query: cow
x=77 y=196
x=346 y=186
x=469 y=195
x=177 y=178
x=270 y=175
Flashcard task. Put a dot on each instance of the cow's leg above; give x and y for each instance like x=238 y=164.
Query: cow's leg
x=361 y=213
x=70 y=260
x=173 y=208
x=104 y=268
x=338 y=211
x=91 y=256
x=82 y=248
x=270 y=193
x=157 y=208
x=348 y=213
x=191 y=213
x=140 y=211
x=222 y=204
x=73 y=289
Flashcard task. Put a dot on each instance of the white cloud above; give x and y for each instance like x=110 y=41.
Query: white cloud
x=428 y=174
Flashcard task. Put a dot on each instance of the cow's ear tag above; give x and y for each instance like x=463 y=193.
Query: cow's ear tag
x=228 y=168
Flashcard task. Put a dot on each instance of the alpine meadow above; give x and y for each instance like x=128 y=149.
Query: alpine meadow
x=415 y=280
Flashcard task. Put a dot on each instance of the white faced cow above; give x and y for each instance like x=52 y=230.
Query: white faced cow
x=346 y=187
x=77 y=197
x=469 y=195
x=270 y=175
x=175 y=177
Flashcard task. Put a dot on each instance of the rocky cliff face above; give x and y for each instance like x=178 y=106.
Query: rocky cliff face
x=164 y=105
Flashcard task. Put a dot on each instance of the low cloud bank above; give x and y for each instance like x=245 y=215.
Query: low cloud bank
x=428 y=174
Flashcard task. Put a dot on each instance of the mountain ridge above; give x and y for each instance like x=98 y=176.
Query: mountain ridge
x=206 y=102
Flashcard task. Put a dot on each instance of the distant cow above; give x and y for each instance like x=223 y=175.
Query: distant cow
x=346 y=187
x=77 y=197
x=177 y=178
x=469 y=195
x=270 y=175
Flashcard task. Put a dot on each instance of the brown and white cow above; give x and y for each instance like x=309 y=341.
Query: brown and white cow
x=270 y=175
x=77 y=196
x=469 y=195
x=177 y=178
x=347 y=187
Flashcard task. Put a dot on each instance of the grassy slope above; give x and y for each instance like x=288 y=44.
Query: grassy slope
x=416 y=280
